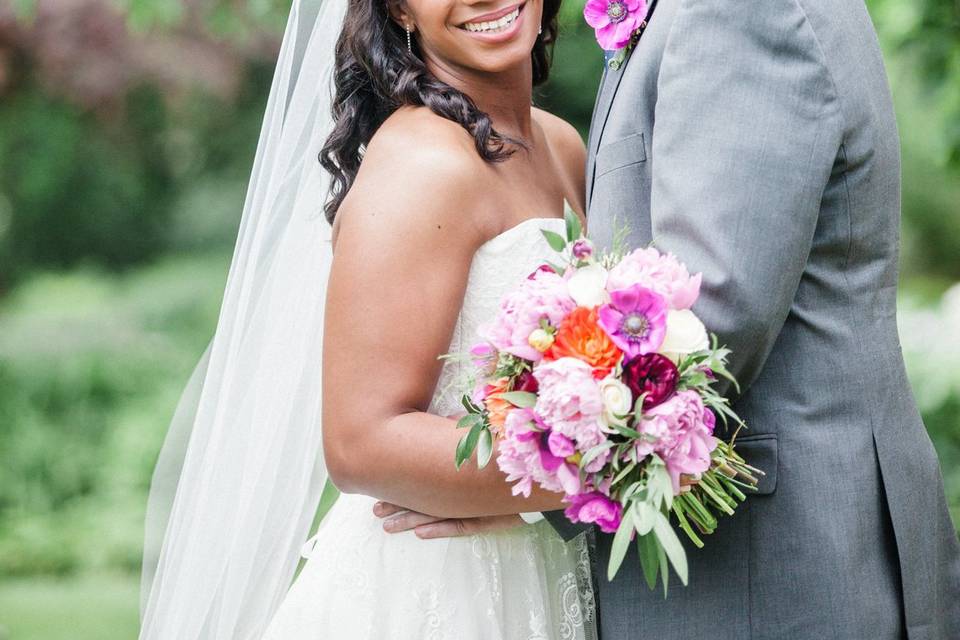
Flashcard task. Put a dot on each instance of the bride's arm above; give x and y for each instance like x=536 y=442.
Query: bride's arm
x=406 y=238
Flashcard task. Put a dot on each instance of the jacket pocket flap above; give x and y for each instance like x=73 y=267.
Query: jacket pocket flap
x=621 y=153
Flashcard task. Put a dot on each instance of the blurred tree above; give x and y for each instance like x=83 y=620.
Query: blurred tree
x=928 y=31
x=105 y=128
x=921 y=42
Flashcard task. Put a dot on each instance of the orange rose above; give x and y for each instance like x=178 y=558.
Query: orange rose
x=497 y=408
x=581 y=337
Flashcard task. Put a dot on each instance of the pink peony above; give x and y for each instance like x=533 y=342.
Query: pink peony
x=614 y=21
x=661 y=272
x=683 y=428
x=519 y=453
x=570 y=401
x=596 y=508
x=542 y=295
x=555 y=448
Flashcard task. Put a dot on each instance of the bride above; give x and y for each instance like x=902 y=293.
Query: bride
x=438 y=175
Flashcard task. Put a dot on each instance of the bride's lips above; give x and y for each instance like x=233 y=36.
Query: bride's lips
x=498 y=34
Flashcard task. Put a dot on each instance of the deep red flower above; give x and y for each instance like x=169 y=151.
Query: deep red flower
x=653 y=374
x=526 y=382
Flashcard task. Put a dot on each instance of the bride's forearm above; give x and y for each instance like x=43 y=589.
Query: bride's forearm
x=409 y=461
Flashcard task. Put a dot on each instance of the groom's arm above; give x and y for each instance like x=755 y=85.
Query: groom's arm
x=748 y=126
x=746 y=130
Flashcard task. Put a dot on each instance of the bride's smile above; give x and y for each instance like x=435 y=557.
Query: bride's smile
x=497 y=26
x=465 y=37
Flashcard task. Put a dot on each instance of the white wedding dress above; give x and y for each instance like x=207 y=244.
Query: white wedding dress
x=361 y=583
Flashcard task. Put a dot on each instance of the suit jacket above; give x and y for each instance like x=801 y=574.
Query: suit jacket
x=756 y=140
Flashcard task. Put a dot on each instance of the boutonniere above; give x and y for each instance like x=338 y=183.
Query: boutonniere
x=618 y=25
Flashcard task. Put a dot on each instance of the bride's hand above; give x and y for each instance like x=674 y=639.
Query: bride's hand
x=397 y=519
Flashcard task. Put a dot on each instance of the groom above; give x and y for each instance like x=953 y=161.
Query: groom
x=756 y=140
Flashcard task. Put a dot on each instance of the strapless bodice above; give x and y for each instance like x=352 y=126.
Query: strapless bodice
x=498 y=265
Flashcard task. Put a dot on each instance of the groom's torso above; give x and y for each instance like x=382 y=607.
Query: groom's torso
x=850 y=537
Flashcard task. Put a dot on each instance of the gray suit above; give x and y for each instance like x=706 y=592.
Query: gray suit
x=756 y=140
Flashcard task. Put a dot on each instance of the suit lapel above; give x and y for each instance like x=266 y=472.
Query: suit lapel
x=601 y=111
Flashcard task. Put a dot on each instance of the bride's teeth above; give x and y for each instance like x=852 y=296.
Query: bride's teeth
x=495 y=25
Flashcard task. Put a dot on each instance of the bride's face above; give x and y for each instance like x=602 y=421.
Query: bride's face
x=489 y=36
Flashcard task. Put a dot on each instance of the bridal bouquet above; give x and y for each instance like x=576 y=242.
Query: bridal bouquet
x=596 y=379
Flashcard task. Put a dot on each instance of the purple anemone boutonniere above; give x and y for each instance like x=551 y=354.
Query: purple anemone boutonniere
x=617 y=25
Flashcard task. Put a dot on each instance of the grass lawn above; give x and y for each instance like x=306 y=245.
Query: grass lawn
x=90 y=607
x=84 y=608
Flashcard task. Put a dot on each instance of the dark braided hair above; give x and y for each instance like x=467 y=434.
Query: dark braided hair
x=375 y=75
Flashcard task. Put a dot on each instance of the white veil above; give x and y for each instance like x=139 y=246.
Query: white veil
x=240 y=475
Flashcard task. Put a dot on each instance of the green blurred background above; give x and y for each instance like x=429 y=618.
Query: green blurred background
x=127 y=131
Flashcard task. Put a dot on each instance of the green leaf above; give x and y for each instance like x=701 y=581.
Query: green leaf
x=468 y=420
x=618 y=550
x=644 y=517
x=589 y=456
x=574 y=228
x=518 y=398
x=649 y=550
x=671 y=545
x=664 y=570
x=462 y=454
x=620 y=476
x=468 y=443
x=638 y=408
x=484 y=448
x=468 y=404
x=555 y=240
x=659 y=484
x=627 y=432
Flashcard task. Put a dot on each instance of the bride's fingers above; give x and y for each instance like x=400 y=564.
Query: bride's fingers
x=467 y=526
x=383 y=509
x=407 y=520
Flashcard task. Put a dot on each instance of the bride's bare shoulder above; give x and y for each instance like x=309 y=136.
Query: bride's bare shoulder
x=419 y=172
x=570 y=153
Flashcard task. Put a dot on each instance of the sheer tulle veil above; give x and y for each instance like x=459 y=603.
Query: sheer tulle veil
x=240 y=474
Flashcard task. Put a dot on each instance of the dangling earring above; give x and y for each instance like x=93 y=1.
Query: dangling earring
x=409 y=45
x=540 y=30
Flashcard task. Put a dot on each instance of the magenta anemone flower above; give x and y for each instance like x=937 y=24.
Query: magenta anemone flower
x=614 y=21
x=635 y=319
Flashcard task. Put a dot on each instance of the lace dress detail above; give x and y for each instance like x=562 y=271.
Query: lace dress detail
x=360 y=583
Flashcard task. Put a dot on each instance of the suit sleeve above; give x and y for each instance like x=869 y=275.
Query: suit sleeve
x=747 y=129
x=567 y=530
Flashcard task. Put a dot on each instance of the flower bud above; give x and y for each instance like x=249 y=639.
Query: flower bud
x=540 y=340
x=582 y=249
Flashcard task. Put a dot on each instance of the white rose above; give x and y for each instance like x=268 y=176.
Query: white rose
x=587 y=286
x=685 y=335
x=617 y=401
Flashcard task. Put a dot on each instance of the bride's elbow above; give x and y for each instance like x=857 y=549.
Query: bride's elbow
x=344 y=461
x=342 y=470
